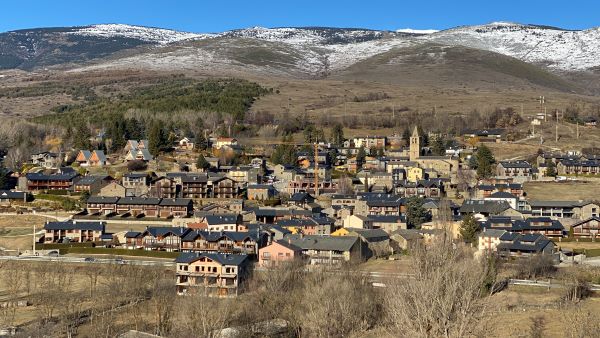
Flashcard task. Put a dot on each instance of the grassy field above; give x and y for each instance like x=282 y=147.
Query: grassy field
x=561 y=191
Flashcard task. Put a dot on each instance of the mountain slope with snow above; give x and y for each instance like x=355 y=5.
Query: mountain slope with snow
x=558 y=49
x=305 y=52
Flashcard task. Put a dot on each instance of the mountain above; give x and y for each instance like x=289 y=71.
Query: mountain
x=34 y=48
x=540 y=55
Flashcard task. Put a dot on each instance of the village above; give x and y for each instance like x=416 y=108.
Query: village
x=214 y=214
x=365 y=197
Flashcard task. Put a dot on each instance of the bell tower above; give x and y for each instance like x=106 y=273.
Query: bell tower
x=414 y=150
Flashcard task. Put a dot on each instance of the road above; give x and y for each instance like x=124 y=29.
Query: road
x=83 y=260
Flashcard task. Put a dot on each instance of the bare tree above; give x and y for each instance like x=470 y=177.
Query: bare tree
x=445 y=297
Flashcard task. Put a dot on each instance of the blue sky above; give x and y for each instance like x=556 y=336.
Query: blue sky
x=219 y=15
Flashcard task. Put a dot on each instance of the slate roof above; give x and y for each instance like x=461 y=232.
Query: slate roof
x=516 y=164
x=67 y=176
x=523 y=225
x=386 y=218
x=557 y=204
x=132 y=234
x=71 y=225
x=214 y=236
x=484 y=206
x=13 y=195
x=135 y=175
x=223 y=259
x=288 y=245
x=532 y=243
x=180 y=202
x=370 y=235
x=138 y=201
x=102 y=200
x=502 y=194
x=162 y=231
x=221 y=219
x=323 y=243
x=300 y=197
x=90 y=179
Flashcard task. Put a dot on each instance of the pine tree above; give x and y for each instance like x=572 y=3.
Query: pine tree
x=337 y=134
x=3 y=178
x=469 y=228
x=550 y=168
x=202 y=163
x=406 y=136
x=81 y=139
x=157 y=139
x=361 y=155
x=438 y=146
x=485 y=162
x=415 y=213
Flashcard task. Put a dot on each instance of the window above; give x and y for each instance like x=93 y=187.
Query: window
x=287 y=254
x=266 y=254
x=197 y=269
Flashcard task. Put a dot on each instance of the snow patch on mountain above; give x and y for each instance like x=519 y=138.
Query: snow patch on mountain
x=555 y=48
x=148 y=34
x=417 y=31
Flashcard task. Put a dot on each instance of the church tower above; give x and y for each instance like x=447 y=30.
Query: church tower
x=414 y=150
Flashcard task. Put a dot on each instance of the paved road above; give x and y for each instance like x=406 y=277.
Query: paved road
x=84 y=260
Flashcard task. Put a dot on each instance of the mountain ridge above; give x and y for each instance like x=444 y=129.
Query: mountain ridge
x=301 y=52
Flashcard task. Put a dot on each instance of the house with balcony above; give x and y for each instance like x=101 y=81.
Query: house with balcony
x=46 y=160
x=540 y=225
x=92 y=183
x=246 y=242
x=328 y=250
x=308 y=225
x=73 y=231
x=61 y=180
x=524 y=245
x=211 y=274
x=564 y=209
x=518 y=171
x=175 y=207
x=578 y=167
x=431 y=188
x=588 y=228
x=158 y=238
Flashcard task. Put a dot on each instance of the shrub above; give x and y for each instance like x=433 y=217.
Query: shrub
x=137 y=165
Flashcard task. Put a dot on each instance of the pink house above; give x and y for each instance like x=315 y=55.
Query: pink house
x=278 y=251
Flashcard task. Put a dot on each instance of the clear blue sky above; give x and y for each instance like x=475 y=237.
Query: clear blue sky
x=219 y=15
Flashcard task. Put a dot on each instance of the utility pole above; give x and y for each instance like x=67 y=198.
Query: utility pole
x=33 y=240
x=556 y=129
x=316 y=169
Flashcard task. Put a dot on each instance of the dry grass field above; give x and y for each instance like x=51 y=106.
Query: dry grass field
x=561 y=191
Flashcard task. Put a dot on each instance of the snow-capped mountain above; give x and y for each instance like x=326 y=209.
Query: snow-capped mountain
x=309 y=51
x=555 y=48
x=148 y=34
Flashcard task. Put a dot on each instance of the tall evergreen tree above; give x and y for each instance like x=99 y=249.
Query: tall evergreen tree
x=81 y=138
x=157 y=139
x=469 y=228
x=337 y=134
x=485 y=162
x=202 y=163
x=550 y=168
x=438 y=146
x=415 y=213
x=361 y=155
x=406 y=136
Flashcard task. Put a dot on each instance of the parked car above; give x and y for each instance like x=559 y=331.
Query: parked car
x=89 y=259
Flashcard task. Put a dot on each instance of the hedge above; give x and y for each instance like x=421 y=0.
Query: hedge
x=118 y=252
x=52 y=246
x=588 y=252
